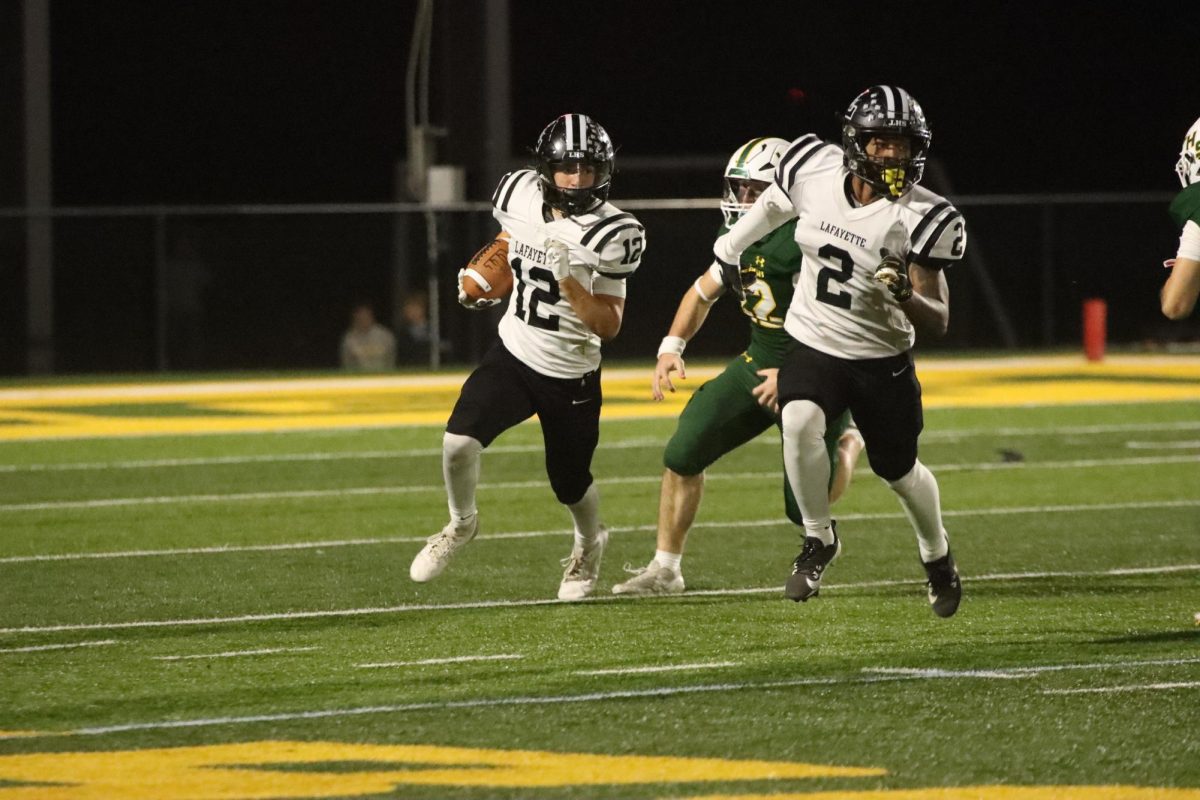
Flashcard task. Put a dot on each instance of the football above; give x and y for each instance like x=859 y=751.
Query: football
x=488 y=275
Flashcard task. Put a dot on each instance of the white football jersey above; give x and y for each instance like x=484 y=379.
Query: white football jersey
x=539 y=326
x=838 y=308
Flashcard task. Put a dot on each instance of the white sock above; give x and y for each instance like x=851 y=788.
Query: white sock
x=586 y=514
x=670 y=560
x=460 y=471
x=919 y=496
x=807 y=464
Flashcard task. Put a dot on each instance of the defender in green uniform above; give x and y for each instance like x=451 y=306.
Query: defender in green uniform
x=1180 y=291
x=739 y=404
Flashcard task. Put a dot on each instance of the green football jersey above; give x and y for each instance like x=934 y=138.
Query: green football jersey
x=775 y=260
x=1186 y=205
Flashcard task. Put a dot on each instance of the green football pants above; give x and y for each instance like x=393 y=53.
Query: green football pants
x=722 y=416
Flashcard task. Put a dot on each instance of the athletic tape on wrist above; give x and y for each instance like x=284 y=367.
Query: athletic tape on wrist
x=672 y=344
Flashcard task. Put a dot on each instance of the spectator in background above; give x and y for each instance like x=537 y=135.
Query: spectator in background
x=367 y=346
x=414 y=333
x=1180 y=291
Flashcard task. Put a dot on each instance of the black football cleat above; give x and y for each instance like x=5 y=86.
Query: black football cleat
x=945 y=589
x=809 y=566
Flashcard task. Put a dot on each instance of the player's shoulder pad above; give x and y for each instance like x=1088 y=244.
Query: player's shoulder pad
x=939 y=237
x=806 y=155
x=512 y=184
x=617 y=239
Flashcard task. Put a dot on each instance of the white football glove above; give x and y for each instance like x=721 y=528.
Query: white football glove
x=558 y=259
x=472 y=304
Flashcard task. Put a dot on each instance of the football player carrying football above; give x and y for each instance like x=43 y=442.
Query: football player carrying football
x=570 y=251
x=1180 y=291
x=875 y=244
x=739 y=404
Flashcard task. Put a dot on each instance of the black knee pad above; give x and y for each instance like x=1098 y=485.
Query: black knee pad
x=570 y=491
x=891 y=466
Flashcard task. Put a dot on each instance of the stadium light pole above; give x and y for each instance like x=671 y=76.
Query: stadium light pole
x=39 y=241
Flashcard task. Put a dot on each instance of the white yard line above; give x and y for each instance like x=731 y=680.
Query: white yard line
x=558 y=532
x=488 y=604
x=72 y=645
x=449 y=660
x=1011 y=673
x=1135 y=688
x=308 y=494
x=931 y=672
x=592 y=697
x=664 y=668
x=1192 y=445
x=351 y=455
x=953 y=434
x=236 y=653
x=1064 y=430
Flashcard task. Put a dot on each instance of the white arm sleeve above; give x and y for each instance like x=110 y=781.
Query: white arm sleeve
x=772 y=209
x=1189 y=242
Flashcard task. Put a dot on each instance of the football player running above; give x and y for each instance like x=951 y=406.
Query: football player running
x=739 y=404
x=1182 y=288
x=570 y=251
x=875 y=244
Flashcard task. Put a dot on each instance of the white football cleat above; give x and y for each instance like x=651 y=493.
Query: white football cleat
x=654 y=579
x=583 y=568
x=438 y=551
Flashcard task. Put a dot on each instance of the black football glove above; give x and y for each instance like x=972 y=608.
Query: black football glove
x=892 y=272
x=731 y=276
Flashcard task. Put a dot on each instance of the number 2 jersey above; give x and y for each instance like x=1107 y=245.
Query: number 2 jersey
x=539 y=326
x=838 y=307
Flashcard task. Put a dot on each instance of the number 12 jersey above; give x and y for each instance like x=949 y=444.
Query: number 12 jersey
x=539 y=326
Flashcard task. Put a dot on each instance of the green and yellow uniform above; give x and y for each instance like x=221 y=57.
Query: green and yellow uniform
x=1186 y=206
x=723 y=414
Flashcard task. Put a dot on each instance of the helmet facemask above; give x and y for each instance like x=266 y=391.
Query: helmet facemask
x=1188 y=166
x=740 y=194
x=568 y=143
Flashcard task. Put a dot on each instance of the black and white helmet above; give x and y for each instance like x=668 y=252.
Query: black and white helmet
x=886 y=111
x=575 y=138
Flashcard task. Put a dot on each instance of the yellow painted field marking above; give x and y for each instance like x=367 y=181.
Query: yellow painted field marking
x=19 y=734
x=254 y=770
x=989 y=792
x=261 y=770
x=280 y=405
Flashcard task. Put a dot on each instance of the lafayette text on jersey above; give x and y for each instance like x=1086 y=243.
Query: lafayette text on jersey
x=539 y=326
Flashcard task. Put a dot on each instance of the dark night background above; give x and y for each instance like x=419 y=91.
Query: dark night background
x=300 y=101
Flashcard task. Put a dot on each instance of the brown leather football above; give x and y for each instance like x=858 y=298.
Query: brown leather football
x=488 y=274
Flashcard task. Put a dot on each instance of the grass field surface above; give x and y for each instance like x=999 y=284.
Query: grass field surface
x=204 y=593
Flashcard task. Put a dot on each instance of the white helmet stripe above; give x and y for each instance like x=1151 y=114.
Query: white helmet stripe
x=903 y=102
x=582 y=122
x=891 y=101
x=570 y=131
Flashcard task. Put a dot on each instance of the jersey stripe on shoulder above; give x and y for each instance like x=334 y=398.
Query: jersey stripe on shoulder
x=608 y=237
x=796 y=156
x=604 y=225
x=928 y=220
x=930 y=217
x=508 y=186
x=938 y=231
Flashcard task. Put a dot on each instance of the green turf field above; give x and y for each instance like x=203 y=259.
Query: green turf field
x=230 y=615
